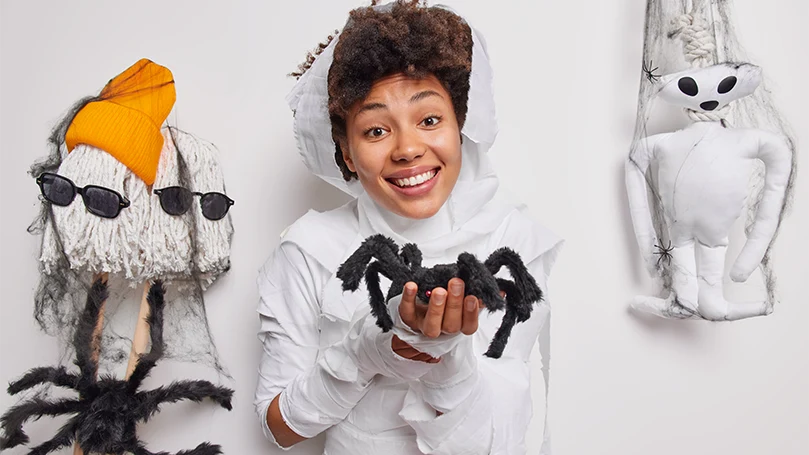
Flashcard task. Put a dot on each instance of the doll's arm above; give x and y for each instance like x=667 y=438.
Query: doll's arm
x=777 y=158
x=643 y=153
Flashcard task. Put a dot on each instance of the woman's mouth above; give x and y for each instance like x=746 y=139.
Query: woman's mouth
x=415 y=185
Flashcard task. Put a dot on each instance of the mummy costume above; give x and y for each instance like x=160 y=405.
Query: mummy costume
x=333 y=366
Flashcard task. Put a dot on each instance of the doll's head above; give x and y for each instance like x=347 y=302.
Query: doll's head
x=711 y=88
x=397 y=97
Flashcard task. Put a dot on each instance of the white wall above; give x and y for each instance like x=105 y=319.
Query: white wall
x=567 y=76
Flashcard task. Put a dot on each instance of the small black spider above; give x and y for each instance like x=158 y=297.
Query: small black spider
x=379 y=255
x=650 y=73
x=664 y=253
x=108 y=409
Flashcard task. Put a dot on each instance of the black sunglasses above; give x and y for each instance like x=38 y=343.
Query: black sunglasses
x=176 y=200
x=98 y=200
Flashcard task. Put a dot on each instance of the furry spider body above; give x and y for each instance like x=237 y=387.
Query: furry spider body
x=379 y=255
x=108 y=409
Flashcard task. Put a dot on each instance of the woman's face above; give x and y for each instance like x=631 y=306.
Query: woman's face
x=404 y=144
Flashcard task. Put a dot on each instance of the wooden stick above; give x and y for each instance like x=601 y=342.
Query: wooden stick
x=97 y=331
x=141 y=338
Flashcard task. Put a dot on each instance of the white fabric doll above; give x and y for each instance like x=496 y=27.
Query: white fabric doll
x=334 y=369
x=699 y=175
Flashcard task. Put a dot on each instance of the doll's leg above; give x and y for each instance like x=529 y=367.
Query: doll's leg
x=63 y=438
x=682 y=301
x=182 y=390
x=712 y=303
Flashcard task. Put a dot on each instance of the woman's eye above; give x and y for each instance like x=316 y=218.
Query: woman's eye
x=431 y=121
x=375 y=132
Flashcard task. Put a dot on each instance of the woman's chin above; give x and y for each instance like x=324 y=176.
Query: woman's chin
x=416 y=210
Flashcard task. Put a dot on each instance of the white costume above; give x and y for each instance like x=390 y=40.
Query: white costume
x=334 y=369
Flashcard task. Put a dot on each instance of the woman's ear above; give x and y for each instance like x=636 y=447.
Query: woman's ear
x=346 y=155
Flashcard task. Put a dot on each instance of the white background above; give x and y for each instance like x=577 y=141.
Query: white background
x=567 y=74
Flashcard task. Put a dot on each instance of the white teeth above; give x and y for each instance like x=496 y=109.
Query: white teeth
x=415 y=180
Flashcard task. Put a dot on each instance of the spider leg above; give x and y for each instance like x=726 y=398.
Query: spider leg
x=479 y=281
x=13 y=420
x=85 y=338
x=205 y=448
x=63 y=438
x=411 y=255
x=377 y=246
x=157 y=303
x=506 y=257
x=379 y=307
x=498 y=344
x=516 y=311
x=42 y=375
x=151 y=400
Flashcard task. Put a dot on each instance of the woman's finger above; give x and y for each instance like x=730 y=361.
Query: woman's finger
x=453 y=310
x=407 y=307
x=470 y=315
x=435 y=313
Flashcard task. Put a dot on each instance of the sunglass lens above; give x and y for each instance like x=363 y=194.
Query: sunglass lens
x=214 y=206
x=175 y=200
x=101 y=201
x=57 y=190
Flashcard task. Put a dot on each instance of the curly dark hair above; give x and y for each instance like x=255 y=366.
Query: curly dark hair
x=405 y=38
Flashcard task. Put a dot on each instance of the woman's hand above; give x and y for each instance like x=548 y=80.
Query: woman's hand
x=447 y=312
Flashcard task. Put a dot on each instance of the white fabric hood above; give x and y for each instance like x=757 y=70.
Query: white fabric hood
x=477 y=182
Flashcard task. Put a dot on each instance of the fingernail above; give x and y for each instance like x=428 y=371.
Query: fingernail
x=471 y=304
x=456 y=289
x=439 y=297
x=410 y=290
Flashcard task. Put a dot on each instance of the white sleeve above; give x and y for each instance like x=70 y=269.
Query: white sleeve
x=477 y=405
x=314 y=393
x=288 y=312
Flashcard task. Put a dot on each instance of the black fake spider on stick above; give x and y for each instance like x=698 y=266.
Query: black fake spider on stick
x=379 y=255
x=108 y=409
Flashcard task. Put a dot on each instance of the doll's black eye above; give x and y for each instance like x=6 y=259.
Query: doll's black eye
x=727 y=84
x=688 y=86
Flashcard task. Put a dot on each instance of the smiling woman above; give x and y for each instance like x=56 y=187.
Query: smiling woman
x=404 y=144
x=381 y=113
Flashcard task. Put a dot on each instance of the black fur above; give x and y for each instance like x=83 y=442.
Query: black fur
x=107 y=409
x=379 y=255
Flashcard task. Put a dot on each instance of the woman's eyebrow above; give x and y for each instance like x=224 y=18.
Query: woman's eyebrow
x=424 y=94
x=370 y=107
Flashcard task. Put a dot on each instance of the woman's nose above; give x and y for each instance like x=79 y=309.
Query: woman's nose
x=409 y=146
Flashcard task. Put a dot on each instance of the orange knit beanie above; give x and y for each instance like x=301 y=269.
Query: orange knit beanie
x=126 y=121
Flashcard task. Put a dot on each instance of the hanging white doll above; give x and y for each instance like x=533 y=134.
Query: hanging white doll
x=699 y=176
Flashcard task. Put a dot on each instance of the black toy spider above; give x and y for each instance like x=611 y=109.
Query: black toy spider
x=107 y=409
x=664 y=253
x=479 y=279
x=649 y=72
